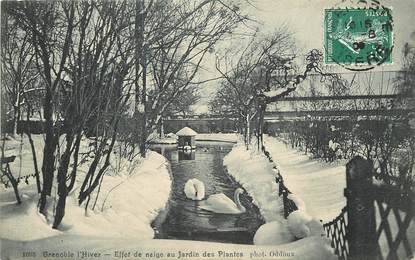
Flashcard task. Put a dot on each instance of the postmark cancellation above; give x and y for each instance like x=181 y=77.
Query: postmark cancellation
x=358 y=37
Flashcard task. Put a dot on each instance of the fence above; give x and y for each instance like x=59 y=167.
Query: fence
x=365 y=227
x=289 y=205
x=336 y=230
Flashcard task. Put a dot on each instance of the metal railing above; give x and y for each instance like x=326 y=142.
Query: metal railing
x=336 y=230
x=289 y=205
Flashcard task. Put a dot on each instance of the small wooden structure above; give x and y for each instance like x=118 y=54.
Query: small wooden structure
x=187 y=138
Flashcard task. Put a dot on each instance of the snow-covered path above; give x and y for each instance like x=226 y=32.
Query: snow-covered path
x=319 y=184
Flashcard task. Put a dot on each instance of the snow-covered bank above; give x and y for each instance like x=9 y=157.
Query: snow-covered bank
x=319 y=184
x=131 y=195
x=254 y=172
x=220 y=137
x=172 y=138
x=166 y=140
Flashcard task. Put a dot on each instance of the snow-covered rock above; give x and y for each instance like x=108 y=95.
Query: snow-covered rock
x=297 y=221
x=316 y=228
x=273 y=233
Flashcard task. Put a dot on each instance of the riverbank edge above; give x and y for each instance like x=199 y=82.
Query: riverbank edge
x=252 y=171
x=162 y=214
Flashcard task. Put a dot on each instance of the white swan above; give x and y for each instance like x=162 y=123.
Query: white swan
x=220 y=203
x=187 y=149
x=194 y=189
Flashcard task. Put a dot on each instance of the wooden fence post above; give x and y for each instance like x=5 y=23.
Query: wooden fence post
x=361 y=228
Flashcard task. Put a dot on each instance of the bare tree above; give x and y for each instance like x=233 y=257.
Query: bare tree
x=96 y=93
x=257 y=68
x=84 y=74
x=89 y=58
x=177 y=37
x=266 y=67
x=45 y=23
x=18 y=73
x=19 y=76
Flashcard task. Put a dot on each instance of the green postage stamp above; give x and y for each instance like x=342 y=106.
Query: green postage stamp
x=358 y=36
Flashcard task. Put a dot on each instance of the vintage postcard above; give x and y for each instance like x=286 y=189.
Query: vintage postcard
x=207 y=129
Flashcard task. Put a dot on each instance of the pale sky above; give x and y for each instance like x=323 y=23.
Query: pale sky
x=305 y=19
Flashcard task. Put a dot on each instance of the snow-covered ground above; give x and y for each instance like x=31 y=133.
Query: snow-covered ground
x=133 y=193
x=165 y=140
x=131 y=196
x=320 y=185
x=172 y=138
x=228 y=137
x=254 y=172
x=169 y=138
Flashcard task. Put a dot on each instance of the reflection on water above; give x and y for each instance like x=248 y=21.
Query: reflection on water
x=183 y=218
x=186 y=155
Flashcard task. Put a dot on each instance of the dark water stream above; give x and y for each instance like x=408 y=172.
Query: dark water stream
x=183 y=219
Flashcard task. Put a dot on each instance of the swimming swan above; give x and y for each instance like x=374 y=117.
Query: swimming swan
x=187 y=147
x=194 y=189
x=187 y=151
x=220 y=203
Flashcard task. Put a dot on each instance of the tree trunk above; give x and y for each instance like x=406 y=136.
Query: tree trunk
x=95 y=182
x=60 y=206
x=247 y=132
x=261 y=126
x=140 y=53
x=16 y=190
x=32 y=146
x=14 y=183
x=161 y=127
x=48 y=152
x=75 y=162
x=84 y=194
x=16 y=116
x=89 y=176
x=62 y=188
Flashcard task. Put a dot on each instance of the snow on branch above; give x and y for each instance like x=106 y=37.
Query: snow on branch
x=313 y=59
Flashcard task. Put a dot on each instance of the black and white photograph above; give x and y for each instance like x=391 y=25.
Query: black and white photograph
x=207 y=129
